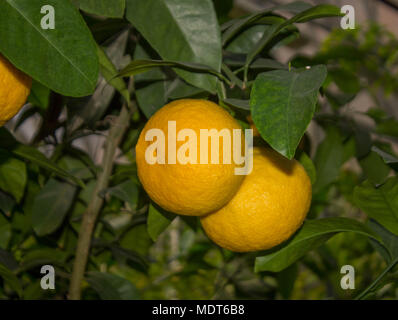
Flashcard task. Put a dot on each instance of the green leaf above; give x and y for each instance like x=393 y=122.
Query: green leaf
x=374 y=168
x=140 y=66
x=387 y=157
x=36 y=157
x=40 y=257
x=286 y=279
x=329 y=158
x=112 y=287
x=5 y=232
x=10 y=278
x=39 y=95
x=309 y=166
x=51 y=205
x=88 y=111
x=6 y=203
x=380 y=203
x=238 y=103
x=312 y=235
x=106 y=8
x=126 y=191
x=283 y=104
x=389 y=249
x=64 y=59
x=13 y=175
x=246 y=41
x=316 y=12
x=158 y=220
x=181 y=31
x=154 y=80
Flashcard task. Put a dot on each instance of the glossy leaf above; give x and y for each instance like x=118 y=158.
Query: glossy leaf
x=63 y=59
x=185 y=31
x=312 y=235
x=158 y=221
x=112 y=287
x=51 y=205
x=380 y=203
x=283 y=104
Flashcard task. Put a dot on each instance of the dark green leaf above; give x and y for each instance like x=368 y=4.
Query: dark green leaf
x=387 y=158
x=10 y=278
x=374 y=168
x=380 y=203
x=13 y=175
x=283 y=104
x=6 y=202
x=5 y=232
x=316 y=12
x=51 y=205
x=126 y=191
x=312 y=235
x=181 y=31
x=154 y=80
x=112 y=287
x=63 y=59
x=35 y=156
x=238 y=103
x=389 y=250
x=140 y=66
x=328 y=159
x=106 y=8
x=158 y=221
x=39 y=95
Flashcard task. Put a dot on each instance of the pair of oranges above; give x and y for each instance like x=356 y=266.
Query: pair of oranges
x=239 y=213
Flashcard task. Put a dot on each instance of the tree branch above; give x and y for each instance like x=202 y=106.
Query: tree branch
x=90 y=216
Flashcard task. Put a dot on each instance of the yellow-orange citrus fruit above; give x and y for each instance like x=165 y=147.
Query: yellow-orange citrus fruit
x=269 y=207
x=14 y=90
x=193 y=188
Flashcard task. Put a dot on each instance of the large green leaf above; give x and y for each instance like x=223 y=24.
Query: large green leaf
x=51 y=205
x=283 y=103
x=380 y=203
x=63 y=59
x=112 y=287
x=106 y=8
x=312 y=235
x=13 y=175
x=158 y=221
x=184 y=31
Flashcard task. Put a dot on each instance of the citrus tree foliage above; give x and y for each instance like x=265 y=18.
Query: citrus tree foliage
x=108 y=66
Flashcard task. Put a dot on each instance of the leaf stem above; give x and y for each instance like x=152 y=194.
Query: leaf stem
x=90 y=216
x=374 y=283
